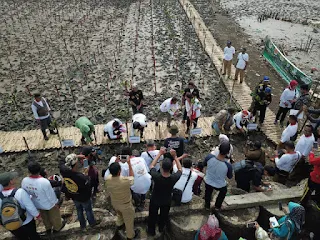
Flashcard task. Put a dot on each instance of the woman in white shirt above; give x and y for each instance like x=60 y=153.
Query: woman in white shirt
x=193 y=107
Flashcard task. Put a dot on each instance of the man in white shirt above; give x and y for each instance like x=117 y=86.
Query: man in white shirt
x=182 y=184
x=142 y=179
x=305 y=142
x=287 y=98
x=28 y=229
x=123 y=164
x=241 y=119
x=113 y=129
x=151 y=154
x=43 y=197
x=289 y=132
x=171 y=107
x=139 y=122
x=229 y=51
x=304 y=146
x=242 y=63
x=286 y=163
x=41 y=112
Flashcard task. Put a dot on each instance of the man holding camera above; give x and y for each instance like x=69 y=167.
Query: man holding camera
x=162 y=191
x=119 y=188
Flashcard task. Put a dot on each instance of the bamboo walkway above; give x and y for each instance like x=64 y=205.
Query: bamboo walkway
x=241 y=92
x=13 y=141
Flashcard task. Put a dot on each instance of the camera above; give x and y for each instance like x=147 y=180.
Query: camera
x=123 y=158
x=251 y=224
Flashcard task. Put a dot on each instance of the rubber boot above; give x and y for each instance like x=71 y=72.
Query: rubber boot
x=53 y=132
x=45 y=135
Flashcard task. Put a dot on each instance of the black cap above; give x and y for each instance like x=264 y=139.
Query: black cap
x=6 y=177
x=304 y=87
x=224 y=148
x=87 y=150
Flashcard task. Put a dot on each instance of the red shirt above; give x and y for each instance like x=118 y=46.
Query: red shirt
x=315 y=174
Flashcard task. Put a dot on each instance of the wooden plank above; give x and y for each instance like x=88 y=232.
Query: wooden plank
x=150 y=131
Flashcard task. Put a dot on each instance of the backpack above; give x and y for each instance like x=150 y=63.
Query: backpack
x=12 y=215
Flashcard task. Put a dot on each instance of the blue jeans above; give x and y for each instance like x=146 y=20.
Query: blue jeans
x=86 y=206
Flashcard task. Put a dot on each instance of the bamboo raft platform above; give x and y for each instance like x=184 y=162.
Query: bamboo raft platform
x=14 y=142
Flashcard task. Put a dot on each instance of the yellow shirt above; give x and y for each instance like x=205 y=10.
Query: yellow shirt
x=119 y=189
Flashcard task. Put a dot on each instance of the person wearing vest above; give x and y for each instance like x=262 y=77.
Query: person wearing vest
x=41 y=112
x=223 y=120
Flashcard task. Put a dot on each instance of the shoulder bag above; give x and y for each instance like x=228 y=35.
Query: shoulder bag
x=177 y=193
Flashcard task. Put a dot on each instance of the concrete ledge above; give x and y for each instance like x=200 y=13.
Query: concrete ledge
x=233 y=202
x=263 y=198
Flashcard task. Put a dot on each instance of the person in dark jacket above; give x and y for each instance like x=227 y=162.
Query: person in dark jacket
x=77 y=186
x=91 y=155
x=261 y=99
x=253 y=151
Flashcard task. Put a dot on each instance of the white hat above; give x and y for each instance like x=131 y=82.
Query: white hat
x=71 y=159
x=223 y=138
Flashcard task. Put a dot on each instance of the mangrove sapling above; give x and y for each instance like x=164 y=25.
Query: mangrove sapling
x=14 y=101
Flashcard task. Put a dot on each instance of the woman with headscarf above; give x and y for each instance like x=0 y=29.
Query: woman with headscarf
x=211 y=230
x=290 y=223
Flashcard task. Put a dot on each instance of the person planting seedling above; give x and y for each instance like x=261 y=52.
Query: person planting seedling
x=86 y=128
x=171 y=107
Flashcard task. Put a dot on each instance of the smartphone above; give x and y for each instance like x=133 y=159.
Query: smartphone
x=280 y=206
x=315 y=145
x=274 y=222
x=251 y=224
x=85 y=163
x=123 y=158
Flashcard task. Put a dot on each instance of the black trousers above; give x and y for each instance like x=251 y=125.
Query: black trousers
x=262 y=109
x=185 y=117
x=208 y=195
x=138 y=199
x=243 y=180
x=195 y=122
x=282 y=112
x=44 y=124
x=27 y=232
x=280 y=176
x=153 y=219
x=310 y=187
x=135 y=110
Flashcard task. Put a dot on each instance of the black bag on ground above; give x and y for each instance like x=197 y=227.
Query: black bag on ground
x=177 y=193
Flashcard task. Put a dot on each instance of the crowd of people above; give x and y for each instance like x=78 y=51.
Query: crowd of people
x=170 y=175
